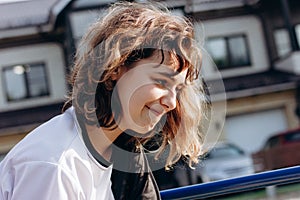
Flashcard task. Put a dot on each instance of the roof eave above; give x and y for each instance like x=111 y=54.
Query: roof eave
x=33 y=28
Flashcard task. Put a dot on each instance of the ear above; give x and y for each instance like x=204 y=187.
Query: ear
x=116 y=75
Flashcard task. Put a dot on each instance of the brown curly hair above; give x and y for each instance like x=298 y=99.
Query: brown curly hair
x=127 y=33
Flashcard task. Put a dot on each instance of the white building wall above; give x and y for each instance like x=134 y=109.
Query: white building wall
x=248 y=25
x=49 y=53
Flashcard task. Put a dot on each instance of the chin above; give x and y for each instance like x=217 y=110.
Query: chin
x=145 y=131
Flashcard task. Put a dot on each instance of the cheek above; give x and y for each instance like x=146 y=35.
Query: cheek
x=145 y=94
x=141 y=97
x=133 y=99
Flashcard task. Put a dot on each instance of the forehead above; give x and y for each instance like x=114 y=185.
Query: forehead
x=154 y=66
x=160 y=59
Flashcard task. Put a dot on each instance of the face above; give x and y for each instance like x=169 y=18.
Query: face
x=147 y=92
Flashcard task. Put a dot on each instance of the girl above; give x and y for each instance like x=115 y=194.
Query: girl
x=134 y=85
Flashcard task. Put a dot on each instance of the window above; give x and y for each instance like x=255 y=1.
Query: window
x=225 y=151
x=25 y=81
x=282 y=42
x=80 y=21
x=178 y=11
x=229 y=52
x=294 y=137
x=274 y=142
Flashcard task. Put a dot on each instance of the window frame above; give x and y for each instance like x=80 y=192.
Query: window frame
x=288 y=49
x=282 y=49
x=28 y=94
x=229 y=55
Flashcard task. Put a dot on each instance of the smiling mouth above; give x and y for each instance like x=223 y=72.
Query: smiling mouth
x=157 y=113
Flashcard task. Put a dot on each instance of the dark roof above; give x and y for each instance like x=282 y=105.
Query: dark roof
x=30 y=13
x=24 y=119
x=259 y=80
x=252 y=84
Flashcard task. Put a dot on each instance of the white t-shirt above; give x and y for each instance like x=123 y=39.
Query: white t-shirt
x=52 y=162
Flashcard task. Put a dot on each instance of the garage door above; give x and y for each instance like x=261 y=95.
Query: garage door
x=250 y=131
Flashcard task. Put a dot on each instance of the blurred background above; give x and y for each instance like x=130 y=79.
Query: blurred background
x=252 y=46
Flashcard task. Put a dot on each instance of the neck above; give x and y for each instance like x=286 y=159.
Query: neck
x=102 y=138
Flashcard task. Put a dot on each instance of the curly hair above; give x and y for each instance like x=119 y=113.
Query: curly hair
x=127 y=33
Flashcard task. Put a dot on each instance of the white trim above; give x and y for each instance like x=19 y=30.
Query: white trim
x=11 y=33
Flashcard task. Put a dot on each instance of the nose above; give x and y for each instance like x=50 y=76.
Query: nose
x=169 y=100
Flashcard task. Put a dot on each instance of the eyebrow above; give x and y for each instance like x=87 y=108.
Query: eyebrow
x=168 y=75
x=171 y=76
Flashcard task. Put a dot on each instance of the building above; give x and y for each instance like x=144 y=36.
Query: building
x=255 y=45
x=32 y=66
x=250 y=63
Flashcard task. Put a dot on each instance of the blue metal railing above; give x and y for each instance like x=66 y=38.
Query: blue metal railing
x=234 y=185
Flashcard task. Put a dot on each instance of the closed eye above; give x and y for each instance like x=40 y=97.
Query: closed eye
x=161 y=82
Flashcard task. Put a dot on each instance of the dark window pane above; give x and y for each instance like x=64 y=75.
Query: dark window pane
x=15 y=83
x=274 y=142
x=282 y=42
x=238 y=51
x=229 y=151
x=37 y=81
x=293 y=137
x=217 y=49
x=25 y=81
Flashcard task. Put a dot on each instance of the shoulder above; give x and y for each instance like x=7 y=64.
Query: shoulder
x=46 y=143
